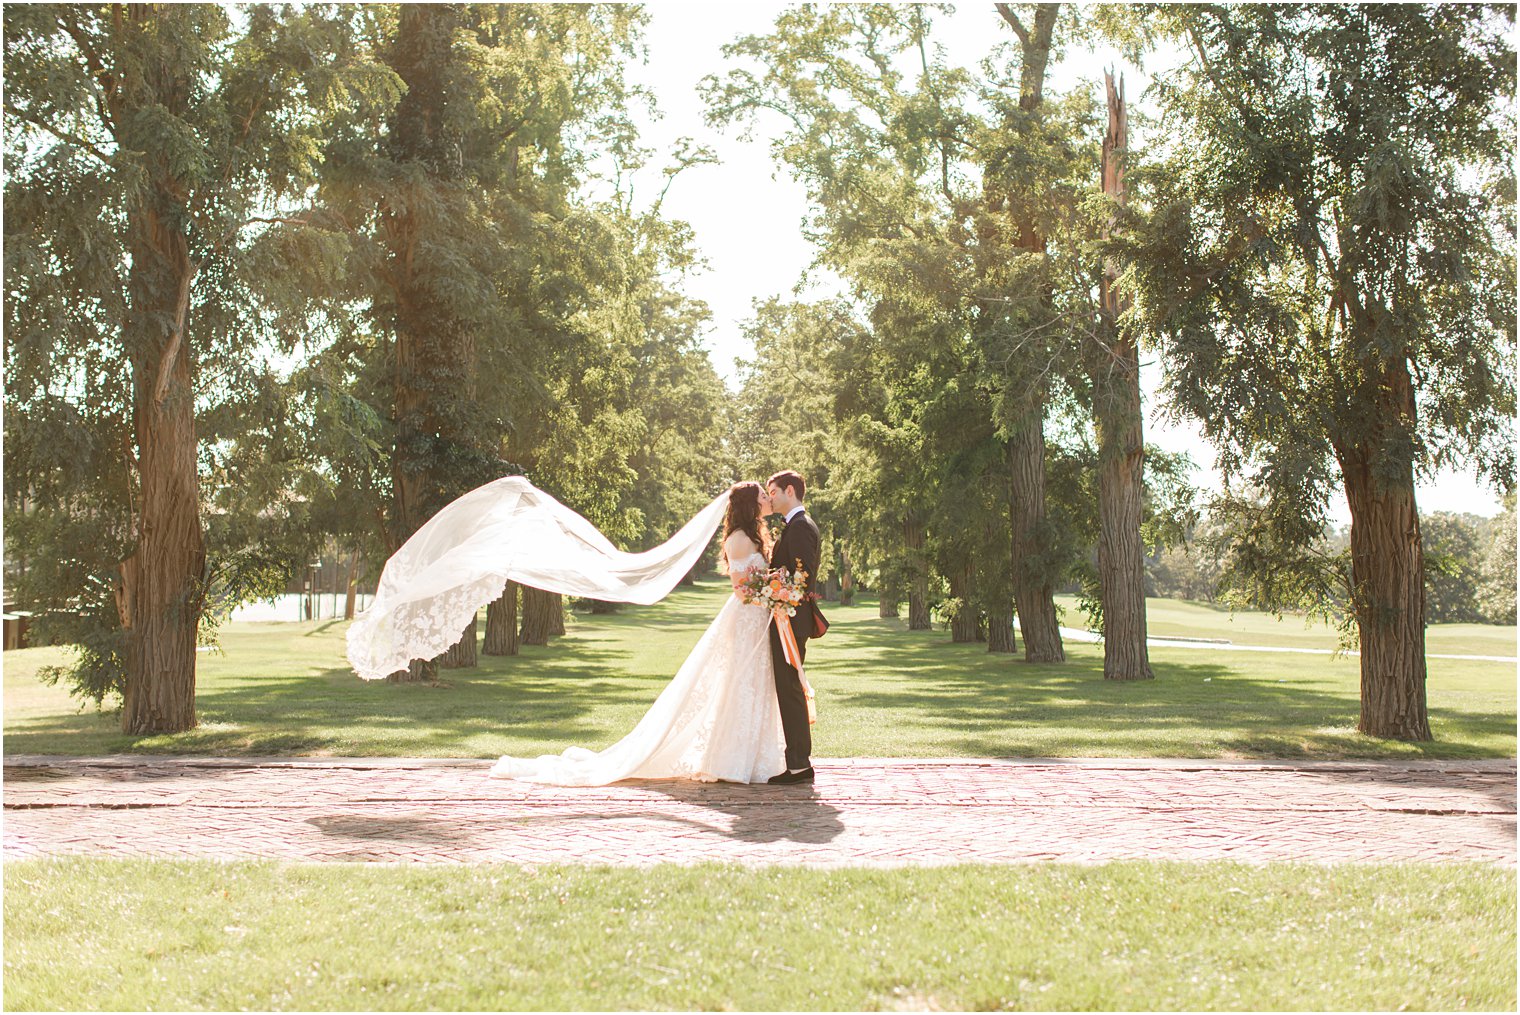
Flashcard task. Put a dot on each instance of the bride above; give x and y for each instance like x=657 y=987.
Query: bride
x=717 y=719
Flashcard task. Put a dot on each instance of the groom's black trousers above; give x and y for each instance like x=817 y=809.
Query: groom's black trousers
x=794 y=719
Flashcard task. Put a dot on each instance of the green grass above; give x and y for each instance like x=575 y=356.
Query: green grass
x=141 y=934
x=285 y=688
x=1191 y=619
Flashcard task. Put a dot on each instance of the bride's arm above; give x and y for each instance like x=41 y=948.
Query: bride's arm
x=738 y=547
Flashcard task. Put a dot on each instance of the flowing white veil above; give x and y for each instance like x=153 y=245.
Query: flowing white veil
x=507 y=529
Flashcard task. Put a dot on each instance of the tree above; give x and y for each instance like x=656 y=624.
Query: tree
x=893 y=173
x=1117 y=418
x=148 y=145
x=1452 y=547
x=1497 y=593
x=501 y=623
x=1034 y=588
x=471 y=257
x=1329 y=271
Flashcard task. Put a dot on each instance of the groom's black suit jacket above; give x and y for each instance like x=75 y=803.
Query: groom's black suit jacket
x=799 y=542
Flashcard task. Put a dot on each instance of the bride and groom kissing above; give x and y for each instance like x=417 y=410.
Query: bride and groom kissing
x=737 y=708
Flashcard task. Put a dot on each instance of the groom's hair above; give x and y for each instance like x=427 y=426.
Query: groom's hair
x=787 y=478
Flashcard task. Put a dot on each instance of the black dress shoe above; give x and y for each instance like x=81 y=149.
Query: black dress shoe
x=785 y=778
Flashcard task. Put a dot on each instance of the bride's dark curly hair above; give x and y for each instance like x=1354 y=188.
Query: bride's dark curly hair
x=743 y=516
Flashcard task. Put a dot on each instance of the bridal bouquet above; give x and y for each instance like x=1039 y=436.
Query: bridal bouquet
x=777 y=589
x=782 y=592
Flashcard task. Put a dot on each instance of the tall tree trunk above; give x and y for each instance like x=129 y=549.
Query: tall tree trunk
x=889 y=598
x=1033 y=592
x=967 y=620
x=418 y=671
x=1121 y=442
x=159 y=591
x=462 y=654
x=556 y=614
x=918 y=575
x=434 y=348
x=846 y=579
x=501 y=623
x=537 y=622
x=1000 y=629
x=1388 y=578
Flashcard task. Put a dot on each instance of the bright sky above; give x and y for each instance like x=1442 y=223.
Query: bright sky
x=747 y=213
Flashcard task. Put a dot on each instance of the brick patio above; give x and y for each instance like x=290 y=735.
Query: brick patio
x=864 y=811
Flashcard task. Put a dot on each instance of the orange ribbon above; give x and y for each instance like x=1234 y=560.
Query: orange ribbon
x=794 y=657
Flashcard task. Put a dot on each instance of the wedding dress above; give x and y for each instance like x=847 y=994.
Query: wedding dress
x=716 y=720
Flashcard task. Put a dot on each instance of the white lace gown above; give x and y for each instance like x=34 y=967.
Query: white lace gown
x=716 y=720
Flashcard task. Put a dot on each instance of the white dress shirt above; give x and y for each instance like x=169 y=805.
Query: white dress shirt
x=793 y=512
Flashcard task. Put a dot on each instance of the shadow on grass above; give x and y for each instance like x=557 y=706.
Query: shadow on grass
x=990 y=700
x=545 y=694
x=274 y=703
x=885 y=689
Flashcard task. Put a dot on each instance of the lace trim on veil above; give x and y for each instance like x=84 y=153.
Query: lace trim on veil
x=506 y=530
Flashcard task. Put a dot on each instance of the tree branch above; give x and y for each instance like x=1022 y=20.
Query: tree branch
x=280 y=219
x=944 y=153
x=98 y=75
x=1013 y=20
x=61 y=135
x=176 y=338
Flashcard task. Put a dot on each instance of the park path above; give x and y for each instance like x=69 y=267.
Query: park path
x=1226 y=645
x=865 y=811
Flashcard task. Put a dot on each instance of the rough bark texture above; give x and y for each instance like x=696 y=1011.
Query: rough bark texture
x=501 y=623
x=887 y=607
x=918 y=576
x=1033 y=592
x=160 y=590
x=433 y=348
x=537 y=618
x=556 y=614
x=461 y=654
x=421 y=56
x=1388 y=574
x=1000 y=630
x=417 y=671
x=964 y=625
x=846 y=579
x=1121 y=444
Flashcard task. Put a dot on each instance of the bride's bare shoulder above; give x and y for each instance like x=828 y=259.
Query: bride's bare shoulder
x=739 y=545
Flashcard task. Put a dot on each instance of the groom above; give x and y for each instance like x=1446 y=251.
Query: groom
x=799 y=541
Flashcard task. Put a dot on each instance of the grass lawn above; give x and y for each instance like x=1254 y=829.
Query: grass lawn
x=1190 y=619
x=140 y=934
x=285 y=688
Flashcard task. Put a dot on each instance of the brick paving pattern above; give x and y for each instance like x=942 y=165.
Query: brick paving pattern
x=872 y=811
